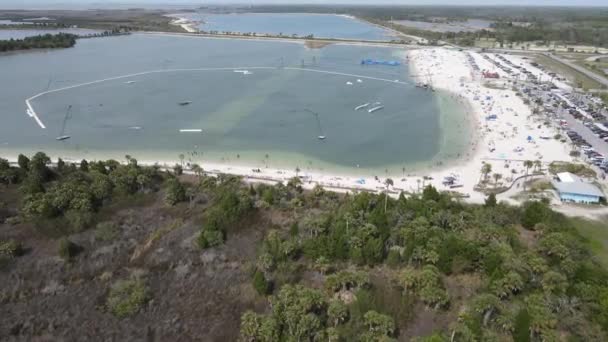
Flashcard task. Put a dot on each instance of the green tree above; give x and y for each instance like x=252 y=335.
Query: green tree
x=497 y=177
x=198 y=170
x=521 y=330
x=388 y=183
x=378 y=325
x=491 y=201
x=534 y=213
x=486 y=169
x=175 y=192
x=84 y=166
x=337 y=312
x=178 y=170
x=23 y=162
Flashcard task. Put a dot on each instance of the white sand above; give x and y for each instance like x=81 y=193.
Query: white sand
x=451 y=71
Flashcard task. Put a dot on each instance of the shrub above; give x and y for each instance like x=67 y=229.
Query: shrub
x=210 y=238
x=106 y=231
x=79 y=220
x=127 y=297
x=10 y=249
x=175 y=192
x=67 y=249
x=261 y=285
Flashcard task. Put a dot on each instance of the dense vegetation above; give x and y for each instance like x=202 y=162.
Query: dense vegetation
x=342 y=267
x=47 y=41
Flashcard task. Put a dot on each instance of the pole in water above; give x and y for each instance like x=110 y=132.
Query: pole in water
x=68 y=115
x=321 y=135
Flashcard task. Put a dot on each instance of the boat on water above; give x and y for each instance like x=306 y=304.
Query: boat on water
x=321 y=137
x=244 y=72
x=377 y=108
x=185 y=103
x=135 y=128
x=63 y=137
x=365 y=105
x=191 y=130
x=129 y=82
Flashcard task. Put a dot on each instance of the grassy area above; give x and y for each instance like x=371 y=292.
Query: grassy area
x=596 y=232
x=581 y=170
x=577 y=78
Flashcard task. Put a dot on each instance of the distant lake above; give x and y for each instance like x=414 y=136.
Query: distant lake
x=319 y=25
x=470 y=25
x=20 y=34
x=274 y=98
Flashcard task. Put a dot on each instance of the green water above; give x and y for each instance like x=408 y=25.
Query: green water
x=266 y=117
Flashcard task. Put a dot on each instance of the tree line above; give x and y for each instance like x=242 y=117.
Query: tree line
x=526 y=273
x=46 y=41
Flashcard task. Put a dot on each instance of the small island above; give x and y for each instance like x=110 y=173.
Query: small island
x=47 y=41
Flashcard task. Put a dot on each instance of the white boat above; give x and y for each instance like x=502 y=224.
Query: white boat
x=349 y=83
x=375 y=109
x=191 y=130
x=359 y=81
x=244 y=72
x=321 y=137
x=129 y=82
x=362 y=106
x=135 y=128
x=63 y=137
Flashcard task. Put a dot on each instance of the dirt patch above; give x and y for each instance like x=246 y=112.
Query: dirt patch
x=316 y=44
x=195 y=295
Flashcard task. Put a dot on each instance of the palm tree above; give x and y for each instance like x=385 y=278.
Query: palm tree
x=537 y=165
x=197 y=170
x=497 y=177
x=348 y=217
x=181 y=159
x=485 y=170
x=297 y=170
x=527 y=164
x=266 y=156
x=403 y=170
x=388 y=182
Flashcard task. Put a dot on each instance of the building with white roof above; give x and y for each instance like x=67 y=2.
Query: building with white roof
x=572 y=188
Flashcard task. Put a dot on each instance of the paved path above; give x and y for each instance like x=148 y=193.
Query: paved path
x=601 y=79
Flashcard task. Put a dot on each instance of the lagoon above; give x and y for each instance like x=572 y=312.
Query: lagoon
x=268 y=116
x=319 y=25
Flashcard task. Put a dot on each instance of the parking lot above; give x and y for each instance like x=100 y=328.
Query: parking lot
x=581 y=118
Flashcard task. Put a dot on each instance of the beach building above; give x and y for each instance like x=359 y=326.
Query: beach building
x=572 y=188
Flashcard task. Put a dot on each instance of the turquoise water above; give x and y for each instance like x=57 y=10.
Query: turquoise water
x=319 y=25
x=244 y=118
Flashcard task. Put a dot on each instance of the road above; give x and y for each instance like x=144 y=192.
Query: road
x=286 y=39
x=601 y=79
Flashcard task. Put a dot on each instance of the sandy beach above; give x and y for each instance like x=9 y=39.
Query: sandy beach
x=185 y=23
x=505 y=140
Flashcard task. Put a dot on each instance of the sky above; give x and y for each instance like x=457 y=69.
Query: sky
x=106 y=3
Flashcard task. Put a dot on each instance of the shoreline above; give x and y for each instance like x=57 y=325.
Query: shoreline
x=365 y=180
